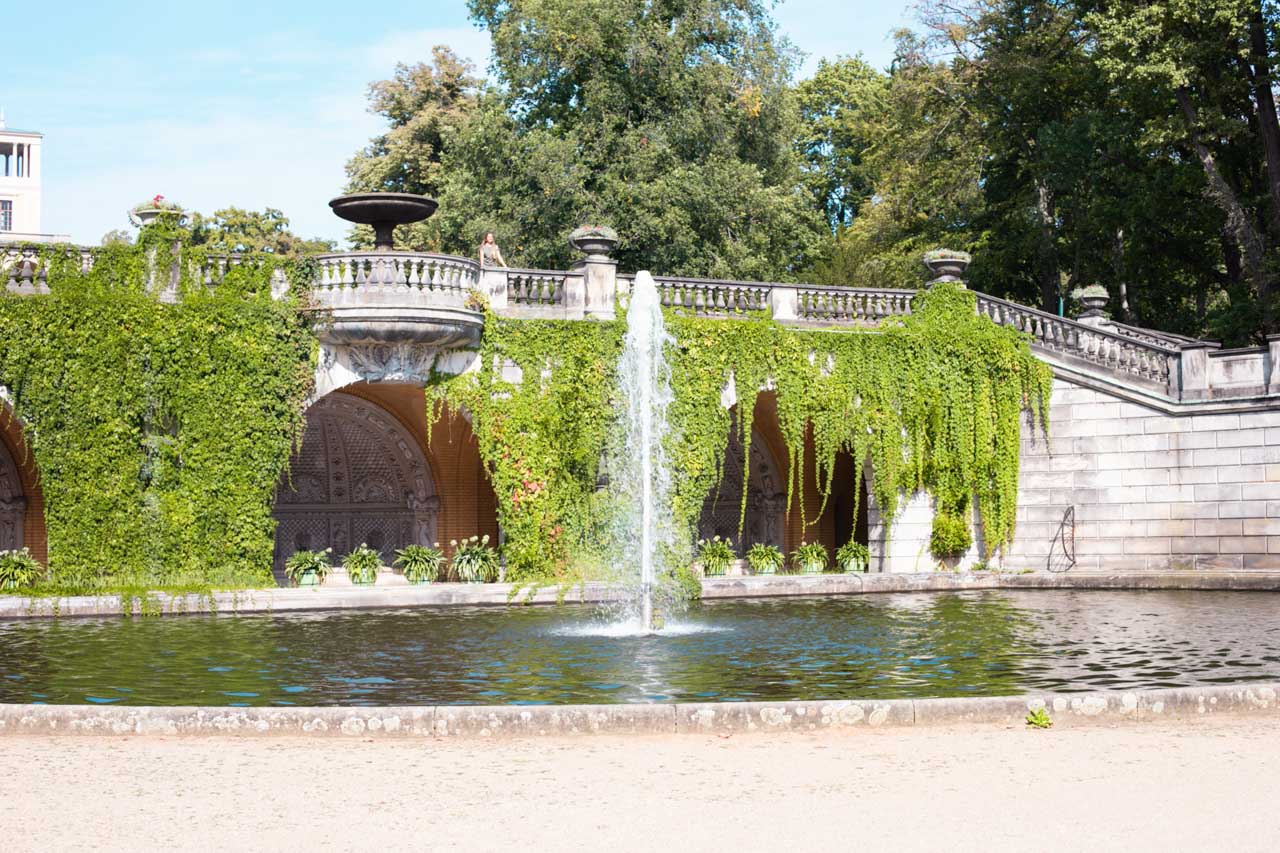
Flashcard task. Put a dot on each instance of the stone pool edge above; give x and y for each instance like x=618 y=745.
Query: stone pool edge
x=507 y=721
x=285 y=600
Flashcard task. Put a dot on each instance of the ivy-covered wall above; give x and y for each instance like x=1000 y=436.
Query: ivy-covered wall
x=159 y=430
x=933 y=402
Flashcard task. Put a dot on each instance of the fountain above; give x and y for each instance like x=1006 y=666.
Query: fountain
x=639 y=476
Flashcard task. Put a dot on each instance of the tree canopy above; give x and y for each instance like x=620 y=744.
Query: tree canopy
x=1064 y=142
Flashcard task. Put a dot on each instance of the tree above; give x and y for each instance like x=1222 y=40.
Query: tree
x=837 y=108
x=425 y=106
x=1210 y=64
x=672 y=121
x=235 y=230
x=117 y=236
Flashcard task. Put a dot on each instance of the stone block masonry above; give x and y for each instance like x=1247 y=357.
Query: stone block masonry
x=1152 y=490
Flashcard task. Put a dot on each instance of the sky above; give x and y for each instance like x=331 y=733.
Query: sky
x=260 y=104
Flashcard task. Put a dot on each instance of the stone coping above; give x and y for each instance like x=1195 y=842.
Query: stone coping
x=285 y=600
x=513 y=721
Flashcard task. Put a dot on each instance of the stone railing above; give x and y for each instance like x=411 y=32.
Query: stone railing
x=712 y=298
x=429 y=298
x=1153 y=364
x=851 y=305
x=415 y=272
x=535 y=288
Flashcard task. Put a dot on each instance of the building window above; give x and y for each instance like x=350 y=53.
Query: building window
x=6 y=216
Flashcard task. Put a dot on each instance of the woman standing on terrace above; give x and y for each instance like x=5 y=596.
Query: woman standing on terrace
x=490 y=255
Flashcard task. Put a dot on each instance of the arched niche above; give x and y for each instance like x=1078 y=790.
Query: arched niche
x=13 y=503
x=358 y=477
x=766 y=498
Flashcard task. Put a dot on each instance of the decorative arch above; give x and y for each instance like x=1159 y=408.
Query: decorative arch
x=13 y=503
x=766 y=497
x=358 y=476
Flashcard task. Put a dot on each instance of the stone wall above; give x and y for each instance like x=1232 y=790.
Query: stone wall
x=1151 y=490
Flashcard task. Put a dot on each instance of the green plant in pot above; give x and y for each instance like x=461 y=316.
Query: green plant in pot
x=853 y=557
x=474 y=560
x=809 y=559
x=18 y=569
x=765 y=559
x=308 y=568
x=716 y=555
x=419 y=563
x=362 y=565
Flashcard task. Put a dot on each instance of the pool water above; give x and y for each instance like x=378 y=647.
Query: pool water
x=867 y=647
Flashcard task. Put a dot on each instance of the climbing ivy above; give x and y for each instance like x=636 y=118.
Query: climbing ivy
x=541 y=408
x=931 y=401
x=159 y=430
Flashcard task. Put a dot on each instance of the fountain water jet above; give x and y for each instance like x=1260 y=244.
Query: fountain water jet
x=639 y=475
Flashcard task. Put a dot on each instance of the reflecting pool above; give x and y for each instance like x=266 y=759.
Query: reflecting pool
x=868 y=647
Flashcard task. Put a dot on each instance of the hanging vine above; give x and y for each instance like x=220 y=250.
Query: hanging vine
x=931 y=401
x=540 y=408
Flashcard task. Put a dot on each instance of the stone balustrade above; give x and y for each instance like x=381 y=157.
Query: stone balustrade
x=433 y=299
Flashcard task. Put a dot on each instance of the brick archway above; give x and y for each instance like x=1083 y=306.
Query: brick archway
x=21 y=498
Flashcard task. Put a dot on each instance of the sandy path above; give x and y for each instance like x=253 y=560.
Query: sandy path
x=1196 y=786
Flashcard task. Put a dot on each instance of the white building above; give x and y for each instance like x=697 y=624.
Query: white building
x=20 y=163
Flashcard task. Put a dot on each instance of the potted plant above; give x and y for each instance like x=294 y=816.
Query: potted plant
x=765 y=559
x=362 y=565
x=715 y=554
x=950 y=536
x=18 y=569
x=595 y=241
x=474 y=561
x=1094 y=298
x=308 y=568
x=419 y=563
x=853 y=557
x=153 y=208
x=809 y=559
x=946 y=264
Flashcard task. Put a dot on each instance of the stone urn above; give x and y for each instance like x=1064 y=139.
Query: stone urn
x=1094 y=298
x=597 y=242
x=946 y=265
x=383 y=211
x=141 y=217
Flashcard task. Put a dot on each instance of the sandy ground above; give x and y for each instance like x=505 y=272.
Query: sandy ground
x=1208 y=785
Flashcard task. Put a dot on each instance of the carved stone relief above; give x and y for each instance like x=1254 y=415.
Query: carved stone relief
x=358 y=477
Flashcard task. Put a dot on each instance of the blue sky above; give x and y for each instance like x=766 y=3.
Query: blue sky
x=258 y=104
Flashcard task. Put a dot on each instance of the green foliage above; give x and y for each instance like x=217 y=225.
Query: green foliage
x=715 y=555
x=160 y=431
x=933 y=401
x=673 y=120
x=474 y=560
x=837 y=106
x=765 y=559
x=541 y=437
x=809 y=558
x=853 y=557
x=300 y=563
x=950 y=536
x=18 y=569
x=233 y=230
x=362 y=564
x=687 y=583
x=1039 y=719
x=420 y=563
